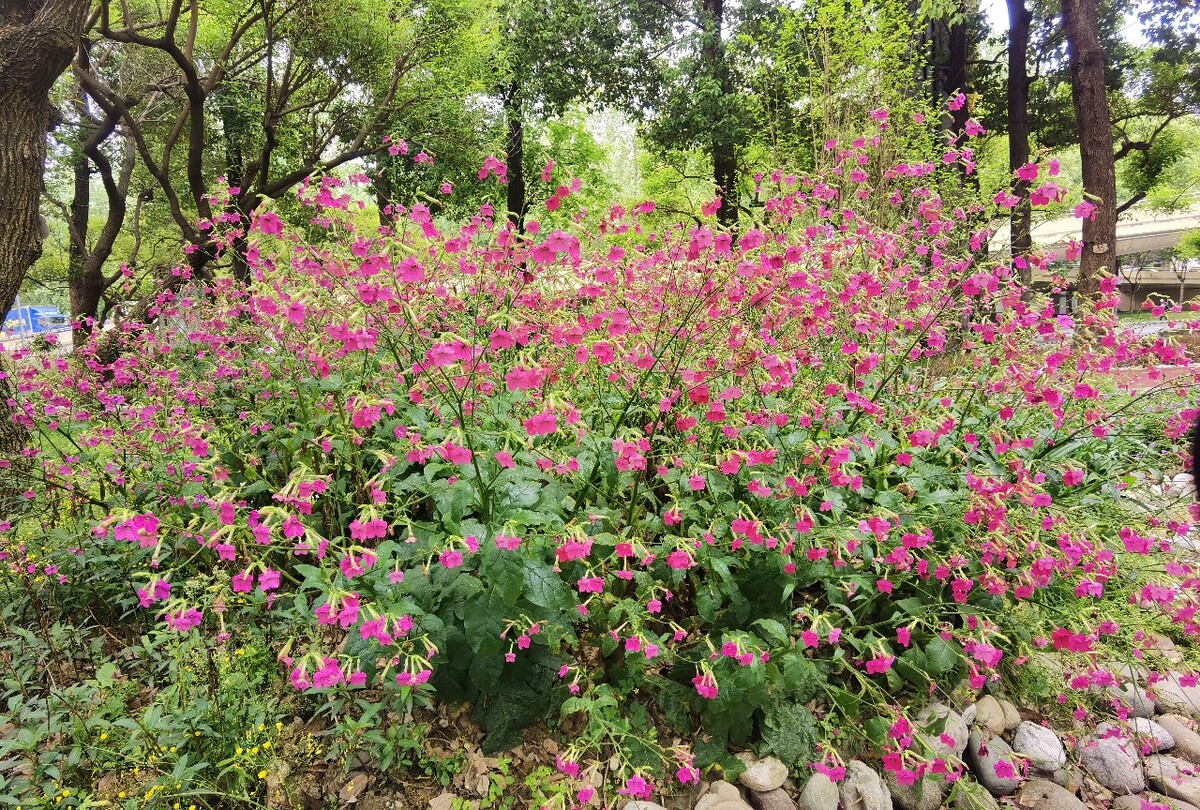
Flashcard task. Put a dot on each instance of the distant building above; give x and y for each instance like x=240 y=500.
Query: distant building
x=1146 y=267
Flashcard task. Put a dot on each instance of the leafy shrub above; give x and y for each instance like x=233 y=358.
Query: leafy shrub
x=652 y=484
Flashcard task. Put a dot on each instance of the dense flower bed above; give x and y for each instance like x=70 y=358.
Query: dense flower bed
x=646 y=480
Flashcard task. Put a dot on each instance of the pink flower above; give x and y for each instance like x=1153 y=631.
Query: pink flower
x=679 y=560
x=450 y=558
x=706 y=686
x=541 y=424
x=637 y=787
x=880 y=664
x=242 y=583
x=268 y=580
x=506 y=542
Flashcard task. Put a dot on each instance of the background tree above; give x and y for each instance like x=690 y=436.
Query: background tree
x=1095 y=143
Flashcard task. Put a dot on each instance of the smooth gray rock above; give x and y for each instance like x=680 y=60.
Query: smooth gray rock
x=1135 y=802
x=983 y=758
x=1012 y=717
x=953 y=726
x=763 y=774
x=968 y=715
x=1113 y=762
x=721 y=793
x=862 y=789
x=1133 y=696
x=1172 y=697
x=1038 y=794
x=724 y=790
x=1187 y=741
x=1173 y=776
x=1153 y=734
x=926 y=794
x=989 y=716
x=643 y=805
x=779 y=800
x=968 y=795
x=820 y=793
x=1041 y=745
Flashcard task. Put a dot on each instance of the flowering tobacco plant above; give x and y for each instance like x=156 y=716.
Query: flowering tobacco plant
x=622 y=472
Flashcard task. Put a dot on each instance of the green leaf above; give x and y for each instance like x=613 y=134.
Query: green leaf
x=791 y=732
x=106 y=675
x=774 y=630
x=876 y=729
x=848 y=702
x=942 y=656
x=544 y=588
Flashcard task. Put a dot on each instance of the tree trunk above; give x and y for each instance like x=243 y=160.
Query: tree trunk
x=515 y=158
x=37 y=41
x=956 y=75
x=722 y=148
x=1020 y=219
x=1095 y=143
x=81 y=207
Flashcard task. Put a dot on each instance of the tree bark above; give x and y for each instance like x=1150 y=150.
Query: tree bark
x=37 y=41
x=722 y=148
x=515 y=158
x=1094 y=121
x=956 y=74
x=1020 y=219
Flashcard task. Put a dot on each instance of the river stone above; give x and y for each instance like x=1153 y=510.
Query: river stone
x=1166 y=647
x=721 y=793
x=764 y=774
x=1173 y=776
x=1172 y=697
x=954 y=727
x=926 y=793
x=863 y=789
x=643 y=805
x=1159 y=738
x=968 y=715
x=1012 y=717
x=970 y=795
x=1135 y=802
x=985 y=756
x=989 y=716
x=724 y=790
x=1187 y=741
x=1041 y=745
x=779 y=800
x=1038 y=794
x=1135 y=698
x=1113 y=762
x=820 y=793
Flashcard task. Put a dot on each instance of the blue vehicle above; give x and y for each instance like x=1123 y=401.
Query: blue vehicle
x=30 y=321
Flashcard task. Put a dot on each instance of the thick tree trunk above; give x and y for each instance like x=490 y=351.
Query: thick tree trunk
x=722 y=149
x=37 y=41
x=1095 y=143
x=22 y=154
x=1020 y=219
x=515 y=158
